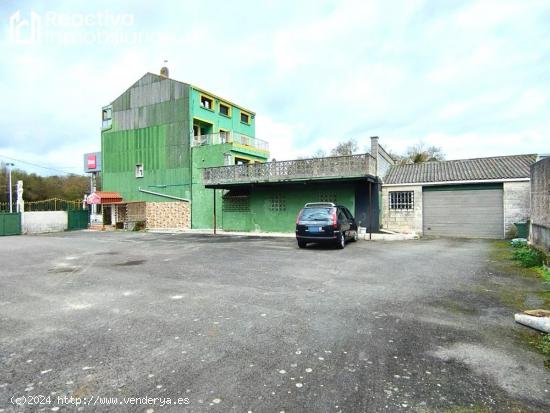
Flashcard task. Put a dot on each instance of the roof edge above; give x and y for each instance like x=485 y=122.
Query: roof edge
x=472 y=181
x=467 y=159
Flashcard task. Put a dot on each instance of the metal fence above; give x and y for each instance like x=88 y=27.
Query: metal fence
x=336 y=166
x=53 y=204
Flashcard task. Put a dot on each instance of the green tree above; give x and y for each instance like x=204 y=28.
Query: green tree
x=37 y=188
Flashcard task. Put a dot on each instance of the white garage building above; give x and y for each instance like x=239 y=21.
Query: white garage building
x=471 y=198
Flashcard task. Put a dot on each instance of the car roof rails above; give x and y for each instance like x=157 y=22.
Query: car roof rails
x=319 y=204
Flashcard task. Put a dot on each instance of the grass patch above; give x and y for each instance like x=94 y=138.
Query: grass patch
x=544 y=274
x=502 y=258
x=525 y=261
x=527 y=257
x=542 y=344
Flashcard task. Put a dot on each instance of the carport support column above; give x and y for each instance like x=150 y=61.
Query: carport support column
x=369 y=211
x=214 y=192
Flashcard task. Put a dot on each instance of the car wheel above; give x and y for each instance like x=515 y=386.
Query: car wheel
x=302 y=244
x=341 y=241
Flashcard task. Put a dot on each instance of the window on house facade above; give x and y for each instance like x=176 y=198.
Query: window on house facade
x=139 y=170
x=278 y=203
x=401 y=199
x=227 y=159
x=206 y=102
x=241 y=161
x=224 y=136
x=245 y=118
x=225 y=110
x=106 y=117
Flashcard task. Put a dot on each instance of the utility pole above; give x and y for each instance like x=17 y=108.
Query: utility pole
x=10 y=165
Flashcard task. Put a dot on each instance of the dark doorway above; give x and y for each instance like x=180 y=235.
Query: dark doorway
x=366 y=206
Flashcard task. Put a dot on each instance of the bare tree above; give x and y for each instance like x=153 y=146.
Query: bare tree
x=319 y=153
x=421 y=152
x=344 y=148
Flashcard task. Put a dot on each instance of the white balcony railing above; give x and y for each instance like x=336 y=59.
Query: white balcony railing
x=230 y=137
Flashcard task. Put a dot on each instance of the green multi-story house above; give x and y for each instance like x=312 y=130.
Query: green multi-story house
x=173 y=150
x=159 y=134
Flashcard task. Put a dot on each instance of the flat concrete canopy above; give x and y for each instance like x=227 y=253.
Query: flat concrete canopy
x=255 y=324
x=304 y=181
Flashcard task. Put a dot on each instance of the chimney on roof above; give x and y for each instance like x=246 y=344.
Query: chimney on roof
x=164 y=70
x=374 y=151
x=374 y=146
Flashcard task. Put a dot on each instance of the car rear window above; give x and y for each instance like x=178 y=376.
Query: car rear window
x=316 y=214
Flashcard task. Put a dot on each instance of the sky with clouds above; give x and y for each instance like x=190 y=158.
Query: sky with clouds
x=469 y=76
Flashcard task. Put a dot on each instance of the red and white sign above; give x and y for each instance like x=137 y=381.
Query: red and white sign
x=91 y=161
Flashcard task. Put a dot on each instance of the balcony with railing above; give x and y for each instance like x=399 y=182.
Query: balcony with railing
x=231 y=137
x=353 y=166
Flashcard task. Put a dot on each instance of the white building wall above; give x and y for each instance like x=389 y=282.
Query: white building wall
x=401 y=220
x=44 y=221
x=517 y=204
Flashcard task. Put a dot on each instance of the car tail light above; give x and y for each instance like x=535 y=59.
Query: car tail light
x=298 y=217
x=334 y=219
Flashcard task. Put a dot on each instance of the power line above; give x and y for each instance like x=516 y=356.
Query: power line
x=39 y=166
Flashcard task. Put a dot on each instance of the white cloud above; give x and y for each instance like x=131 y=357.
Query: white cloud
x=280 y=136
x=469 y=77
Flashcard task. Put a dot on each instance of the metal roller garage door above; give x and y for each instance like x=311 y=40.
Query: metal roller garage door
x=463 y=212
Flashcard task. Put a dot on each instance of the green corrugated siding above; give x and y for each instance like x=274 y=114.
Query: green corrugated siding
x=154 y=135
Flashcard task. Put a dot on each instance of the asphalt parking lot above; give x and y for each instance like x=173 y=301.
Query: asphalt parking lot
x=255 y=324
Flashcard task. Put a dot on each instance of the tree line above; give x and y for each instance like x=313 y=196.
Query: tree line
x=417 y=153
x=37 y=188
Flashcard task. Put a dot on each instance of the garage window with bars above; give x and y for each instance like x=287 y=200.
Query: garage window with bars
x=327 y=197
x=278 y=203
x=401 y=199
x=241 y=204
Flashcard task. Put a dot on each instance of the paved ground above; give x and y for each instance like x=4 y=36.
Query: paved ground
x=244 y=324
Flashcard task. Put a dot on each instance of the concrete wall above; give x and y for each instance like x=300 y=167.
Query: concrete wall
x=517 y=205
x=168 y=215
x=540 y=204
x=402 y=220
x=44 y=221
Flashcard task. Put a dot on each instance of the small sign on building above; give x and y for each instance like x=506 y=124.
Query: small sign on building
x=92 y=162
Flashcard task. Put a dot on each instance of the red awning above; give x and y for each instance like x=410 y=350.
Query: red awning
x=104 y=198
